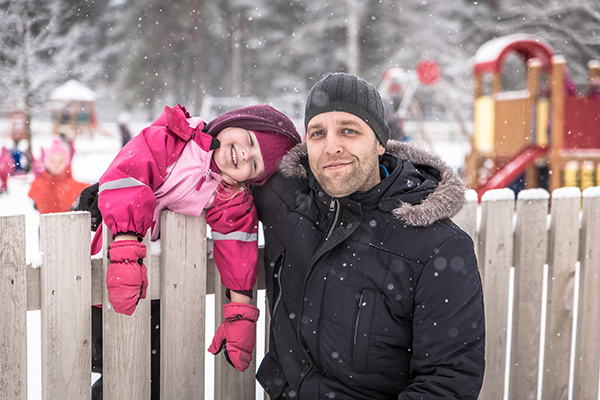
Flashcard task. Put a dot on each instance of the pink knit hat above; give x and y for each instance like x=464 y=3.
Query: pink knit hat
x=273 y=147
x=57 y=147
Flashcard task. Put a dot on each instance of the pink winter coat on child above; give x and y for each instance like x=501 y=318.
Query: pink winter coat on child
x=167 y=167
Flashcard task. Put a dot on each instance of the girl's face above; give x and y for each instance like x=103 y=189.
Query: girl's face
x=239 y=157
x=56 y=164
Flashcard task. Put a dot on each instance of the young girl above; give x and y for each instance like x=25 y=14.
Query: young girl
x=181 y=164
x=55 y=190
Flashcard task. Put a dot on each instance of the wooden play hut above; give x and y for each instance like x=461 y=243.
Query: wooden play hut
x=73 y=109
x=547 y=132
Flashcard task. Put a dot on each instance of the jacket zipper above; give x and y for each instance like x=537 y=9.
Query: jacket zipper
x=280 y=266
x=360 y=306
x=334 y=205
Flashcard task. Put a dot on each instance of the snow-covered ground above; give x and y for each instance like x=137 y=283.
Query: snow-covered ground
x=92 y=157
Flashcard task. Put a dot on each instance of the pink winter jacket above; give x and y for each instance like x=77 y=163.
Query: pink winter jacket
x=167 y=167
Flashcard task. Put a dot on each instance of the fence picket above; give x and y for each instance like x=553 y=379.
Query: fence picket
x=13 y=309
x=126 y=342
x=531 y=249
x=563 y=249
x=183 y=298
x=231 y=384
x=587 y=360
x=495 y=260
x=66 y=305
x=467 y=217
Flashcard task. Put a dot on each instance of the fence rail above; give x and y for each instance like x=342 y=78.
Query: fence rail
x=543 y=326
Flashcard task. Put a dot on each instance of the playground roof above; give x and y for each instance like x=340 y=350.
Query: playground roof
x=73 y=91
x=489 y=58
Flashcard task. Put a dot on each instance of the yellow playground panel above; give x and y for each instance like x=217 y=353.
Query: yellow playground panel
x=546 y=124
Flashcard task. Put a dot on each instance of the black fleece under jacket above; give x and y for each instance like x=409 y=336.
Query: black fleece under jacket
x=376 y=295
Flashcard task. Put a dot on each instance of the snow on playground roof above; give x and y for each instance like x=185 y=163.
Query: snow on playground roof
x=490 y=56
x=73 y=91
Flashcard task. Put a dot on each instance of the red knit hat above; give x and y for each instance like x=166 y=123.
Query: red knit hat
x=273 y=147
x=275 y=132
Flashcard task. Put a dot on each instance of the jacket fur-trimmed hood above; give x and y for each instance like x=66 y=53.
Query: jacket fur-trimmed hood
x=445 y=202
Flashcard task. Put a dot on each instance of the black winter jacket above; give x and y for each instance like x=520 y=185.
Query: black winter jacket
x=372 y=296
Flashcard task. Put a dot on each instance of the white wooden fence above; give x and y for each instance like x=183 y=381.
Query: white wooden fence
x=536 y=346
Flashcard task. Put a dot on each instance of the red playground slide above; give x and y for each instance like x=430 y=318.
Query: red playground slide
x=512 y=170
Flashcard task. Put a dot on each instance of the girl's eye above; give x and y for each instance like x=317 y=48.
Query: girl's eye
x=251 y=140
x=255 y=165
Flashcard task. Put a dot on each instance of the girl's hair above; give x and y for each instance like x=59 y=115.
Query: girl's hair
x=226 y=191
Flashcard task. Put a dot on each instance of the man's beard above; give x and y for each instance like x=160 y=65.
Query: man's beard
x=359 y=179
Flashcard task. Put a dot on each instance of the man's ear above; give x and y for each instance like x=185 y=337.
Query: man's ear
x=380 y=149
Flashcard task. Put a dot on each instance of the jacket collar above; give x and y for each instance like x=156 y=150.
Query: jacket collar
x=443 y=201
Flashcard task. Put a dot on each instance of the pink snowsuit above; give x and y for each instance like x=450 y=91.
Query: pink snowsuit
x=167 y=167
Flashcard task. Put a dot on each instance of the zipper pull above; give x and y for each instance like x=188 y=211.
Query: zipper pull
x=332 y=205
x=203 y=178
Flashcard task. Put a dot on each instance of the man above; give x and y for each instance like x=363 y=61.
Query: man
x=373 y=292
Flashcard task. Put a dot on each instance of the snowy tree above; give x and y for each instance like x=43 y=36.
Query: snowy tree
x=45 y=44
x=164 y=59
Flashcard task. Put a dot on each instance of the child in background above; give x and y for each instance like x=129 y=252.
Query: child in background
x=7 y=165
x=55 y=190
x=181 y=164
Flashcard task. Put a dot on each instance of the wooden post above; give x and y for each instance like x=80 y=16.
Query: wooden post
x=534 y=67
x=13 y=309
x=66 y=302
x=495 y=261
x=558 y=120
x=562 y=256
x=126 y=341
x=182 y=306
x=478 y=86
x=231 y=384
x=496 y=83
x=587 y=355
x=594 y=69
x=531 y=249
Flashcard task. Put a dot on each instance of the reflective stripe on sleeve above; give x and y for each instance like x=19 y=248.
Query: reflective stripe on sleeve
x=241 y=236
x=121 y=183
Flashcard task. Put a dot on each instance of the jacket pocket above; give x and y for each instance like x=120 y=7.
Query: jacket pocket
x=362 y=331
x=271 y=378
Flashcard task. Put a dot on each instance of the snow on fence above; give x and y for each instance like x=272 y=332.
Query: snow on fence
x=543 y=327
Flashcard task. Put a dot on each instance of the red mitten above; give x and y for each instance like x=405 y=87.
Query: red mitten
x=237 y=334
x=126 y=278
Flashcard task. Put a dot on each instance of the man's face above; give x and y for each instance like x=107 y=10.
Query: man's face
x=343 y=153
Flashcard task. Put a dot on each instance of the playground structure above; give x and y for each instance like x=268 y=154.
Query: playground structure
x=546 y=135
x=74 y=109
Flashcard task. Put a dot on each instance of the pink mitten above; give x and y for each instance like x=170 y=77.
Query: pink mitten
x=237 y=334
x=126 y=278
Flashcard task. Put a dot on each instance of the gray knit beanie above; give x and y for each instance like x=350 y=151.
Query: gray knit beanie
x=349 y=93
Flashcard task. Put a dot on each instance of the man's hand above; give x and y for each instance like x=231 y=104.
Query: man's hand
x=237 y=334
x=126 y=276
